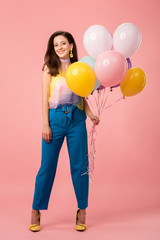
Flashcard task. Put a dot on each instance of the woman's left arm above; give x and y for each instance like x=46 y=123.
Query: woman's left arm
x=89 y=113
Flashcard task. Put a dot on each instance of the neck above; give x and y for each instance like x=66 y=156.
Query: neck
x=64 y=66
x=64 y=60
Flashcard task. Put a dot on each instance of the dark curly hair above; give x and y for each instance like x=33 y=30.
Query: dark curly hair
x=51 y=60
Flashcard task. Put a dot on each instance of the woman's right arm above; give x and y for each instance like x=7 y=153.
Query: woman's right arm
x=46 y=78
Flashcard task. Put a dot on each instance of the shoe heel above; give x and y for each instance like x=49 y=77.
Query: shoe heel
x=81 y=226
x=35 y=227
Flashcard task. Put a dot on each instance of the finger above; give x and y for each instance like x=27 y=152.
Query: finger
x=45 y=139
x=43 y=136
x=96 y=120
x=48 y=138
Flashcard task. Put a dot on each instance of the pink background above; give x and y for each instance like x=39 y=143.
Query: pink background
x=124 y=200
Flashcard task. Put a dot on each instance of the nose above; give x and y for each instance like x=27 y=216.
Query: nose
x=60 y=46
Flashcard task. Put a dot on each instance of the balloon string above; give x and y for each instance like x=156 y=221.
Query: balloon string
x=104 y=101
x=101 y=100
x=91 y=155
x=112 y=103
x=100 y=103
x=92 y=139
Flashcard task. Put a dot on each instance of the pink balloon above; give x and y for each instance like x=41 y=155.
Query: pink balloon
x=110 y=68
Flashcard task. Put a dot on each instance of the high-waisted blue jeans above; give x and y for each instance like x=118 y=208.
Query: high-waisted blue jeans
x=71 y=125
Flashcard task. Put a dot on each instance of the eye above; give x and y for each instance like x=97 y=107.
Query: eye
x=64 y=43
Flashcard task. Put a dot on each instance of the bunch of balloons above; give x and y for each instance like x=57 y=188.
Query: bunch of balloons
x=108 y=62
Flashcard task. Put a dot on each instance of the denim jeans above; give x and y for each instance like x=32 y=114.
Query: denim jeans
x=71 y=125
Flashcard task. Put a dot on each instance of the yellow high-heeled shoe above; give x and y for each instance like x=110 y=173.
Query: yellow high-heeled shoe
x=35 y=227
x=80 y=226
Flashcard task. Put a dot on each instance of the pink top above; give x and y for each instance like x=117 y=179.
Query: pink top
x=61 y=94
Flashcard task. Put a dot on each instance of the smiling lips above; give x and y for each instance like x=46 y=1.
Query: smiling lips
x=62 y=51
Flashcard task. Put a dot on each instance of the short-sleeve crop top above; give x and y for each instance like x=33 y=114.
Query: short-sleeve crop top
x=61 y=94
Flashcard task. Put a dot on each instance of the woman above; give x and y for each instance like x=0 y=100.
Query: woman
x=64 y=115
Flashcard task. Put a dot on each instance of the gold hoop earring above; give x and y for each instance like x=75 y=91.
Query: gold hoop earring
x=71 y=54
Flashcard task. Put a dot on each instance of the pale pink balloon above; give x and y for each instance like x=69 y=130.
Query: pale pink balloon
x=110 y=68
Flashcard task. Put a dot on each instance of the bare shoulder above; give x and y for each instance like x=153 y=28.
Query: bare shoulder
x=46 y=78
x=46 y=70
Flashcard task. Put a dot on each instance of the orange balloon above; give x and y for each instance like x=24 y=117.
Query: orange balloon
x=80 y=78
x=133 y=83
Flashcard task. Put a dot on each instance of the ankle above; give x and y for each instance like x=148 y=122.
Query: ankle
x=35 y=212
x=82 y=211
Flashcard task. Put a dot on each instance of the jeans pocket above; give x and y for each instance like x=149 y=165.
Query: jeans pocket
x=51 y=117
x=82 y=113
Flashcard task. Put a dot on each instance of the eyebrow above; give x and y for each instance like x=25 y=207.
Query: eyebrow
x=61 y=41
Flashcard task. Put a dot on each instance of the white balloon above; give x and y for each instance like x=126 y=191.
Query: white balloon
x=126 y=39
x=96 y=40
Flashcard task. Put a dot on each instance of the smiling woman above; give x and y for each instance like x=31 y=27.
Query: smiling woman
x=62 y=47
x=64 y=115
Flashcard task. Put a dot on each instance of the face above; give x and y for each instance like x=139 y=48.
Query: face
x=62 y=46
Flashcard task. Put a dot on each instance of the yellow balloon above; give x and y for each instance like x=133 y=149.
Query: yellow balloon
x=80 y=78
x=133 y=83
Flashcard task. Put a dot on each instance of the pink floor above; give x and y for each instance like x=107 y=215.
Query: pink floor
x=59 y=221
